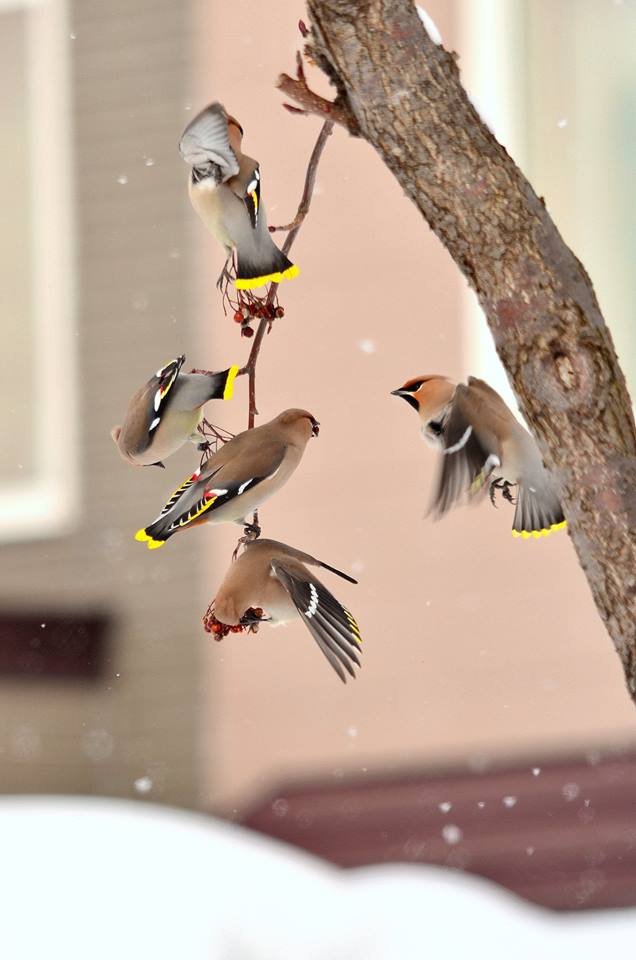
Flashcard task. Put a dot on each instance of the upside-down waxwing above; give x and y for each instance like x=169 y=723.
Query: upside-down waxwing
x=274 y=577
x=482 y=443
x=225 y=190
x=235 y=480
x=166 y=411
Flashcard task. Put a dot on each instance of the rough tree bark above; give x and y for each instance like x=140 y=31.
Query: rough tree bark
x=403 y=94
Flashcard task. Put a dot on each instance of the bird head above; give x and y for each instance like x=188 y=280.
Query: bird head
x=298 y=425
x=426 y=394
x=234 y=133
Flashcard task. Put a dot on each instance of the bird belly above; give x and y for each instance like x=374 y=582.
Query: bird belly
x=212 y=203
x=170 y=435
x=276 y=603
x=237 y=509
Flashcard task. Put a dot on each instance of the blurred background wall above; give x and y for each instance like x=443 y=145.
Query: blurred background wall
x=477 y=648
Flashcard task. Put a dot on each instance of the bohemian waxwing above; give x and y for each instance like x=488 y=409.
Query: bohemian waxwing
x=225 y=190
x=481 y=443
x=273 y=577
x=165 y=412
x=236 y=479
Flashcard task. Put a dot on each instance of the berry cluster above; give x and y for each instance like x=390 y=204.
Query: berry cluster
x=253 y=309
x=220 y=630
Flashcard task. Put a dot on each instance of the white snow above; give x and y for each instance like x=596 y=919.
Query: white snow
x=571 y=791
x=367 y=346
x=445 y=806
x=452 y=834
x=509 y=802
x=143 y=784
x=122 y=179
x=95 y=878
x=536 y=771
x=429 y=25
x=562 y=123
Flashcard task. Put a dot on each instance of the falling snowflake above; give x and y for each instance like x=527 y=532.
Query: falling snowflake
x=509 y=802
x=143 y=785
x=445 y=806
x=571 y=791
x=451 y=833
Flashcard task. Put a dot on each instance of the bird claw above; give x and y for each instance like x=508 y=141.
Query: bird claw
x=225 y=276
x=506 y=494
x=504 y=486
x=252 y=531
x=494 y=486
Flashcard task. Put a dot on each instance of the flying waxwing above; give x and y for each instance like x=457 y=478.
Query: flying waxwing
x=225 y=190
x=236 y=479
x=274 y=577
x=165 y=412
x=482 y=442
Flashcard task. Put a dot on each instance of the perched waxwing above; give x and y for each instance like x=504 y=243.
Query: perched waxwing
x=225 y=190
x=236 y=479
x=273 y=578
x=166 y=411
x=482 y=443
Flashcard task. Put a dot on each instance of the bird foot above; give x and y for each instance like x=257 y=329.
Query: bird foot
x=494 y=486
x=505 y=487
x=506 y=494
x=225 y=276
x=252 y=531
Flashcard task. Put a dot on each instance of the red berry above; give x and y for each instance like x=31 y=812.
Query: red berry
x=238 y=316
x=247 y=332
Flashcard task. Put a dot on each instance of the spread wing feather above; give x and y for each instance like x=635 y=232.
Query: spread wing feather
x=332 y=626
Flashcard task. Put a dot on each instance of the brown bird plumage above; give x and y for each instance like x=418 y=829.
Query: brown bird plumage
x=225 y=190
x=163 y=414
x=236 y=479
x=274 y=577
x=482 y=443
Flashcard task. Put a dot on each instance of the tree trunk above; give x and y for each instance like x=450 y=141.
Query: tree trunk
x=403 y=94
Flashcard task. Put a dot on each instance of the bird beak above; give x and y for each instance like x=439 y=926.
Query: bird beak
x=315 y=428
x=399 y=393
x=158 y=464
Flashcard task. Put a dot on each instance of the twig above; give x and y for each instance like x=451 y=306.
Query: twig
x=265 y=322
x=311 y=102
x=303 y=208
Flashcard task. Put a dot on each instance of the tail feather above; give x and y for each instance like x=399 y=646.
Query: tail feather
x=538 y=513
x=222 y=384
x=272 y=268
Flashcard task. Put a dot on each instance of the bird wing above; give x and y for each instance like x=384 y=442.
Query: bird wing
x=205 y=140
x=332 y=626
x=247 y=186
x=471 y=448
x=220 y=480
x=303 y=557
x=148 y=406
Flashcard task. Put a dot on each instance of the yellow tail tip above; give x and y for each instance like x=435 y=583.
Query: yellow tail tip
x=142 y=537
x=228 y=391
x=248 y=283
x=526 y=534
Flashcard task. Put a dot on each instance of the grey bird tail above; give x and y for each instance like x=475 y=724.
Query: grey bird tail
x=156 y=534
x=270 y=266
x=222 y=384
x=538 y=512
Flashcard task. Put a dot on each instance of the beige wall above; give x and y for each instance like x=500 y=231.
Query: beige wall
x=129 y=66
x=476 y=646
